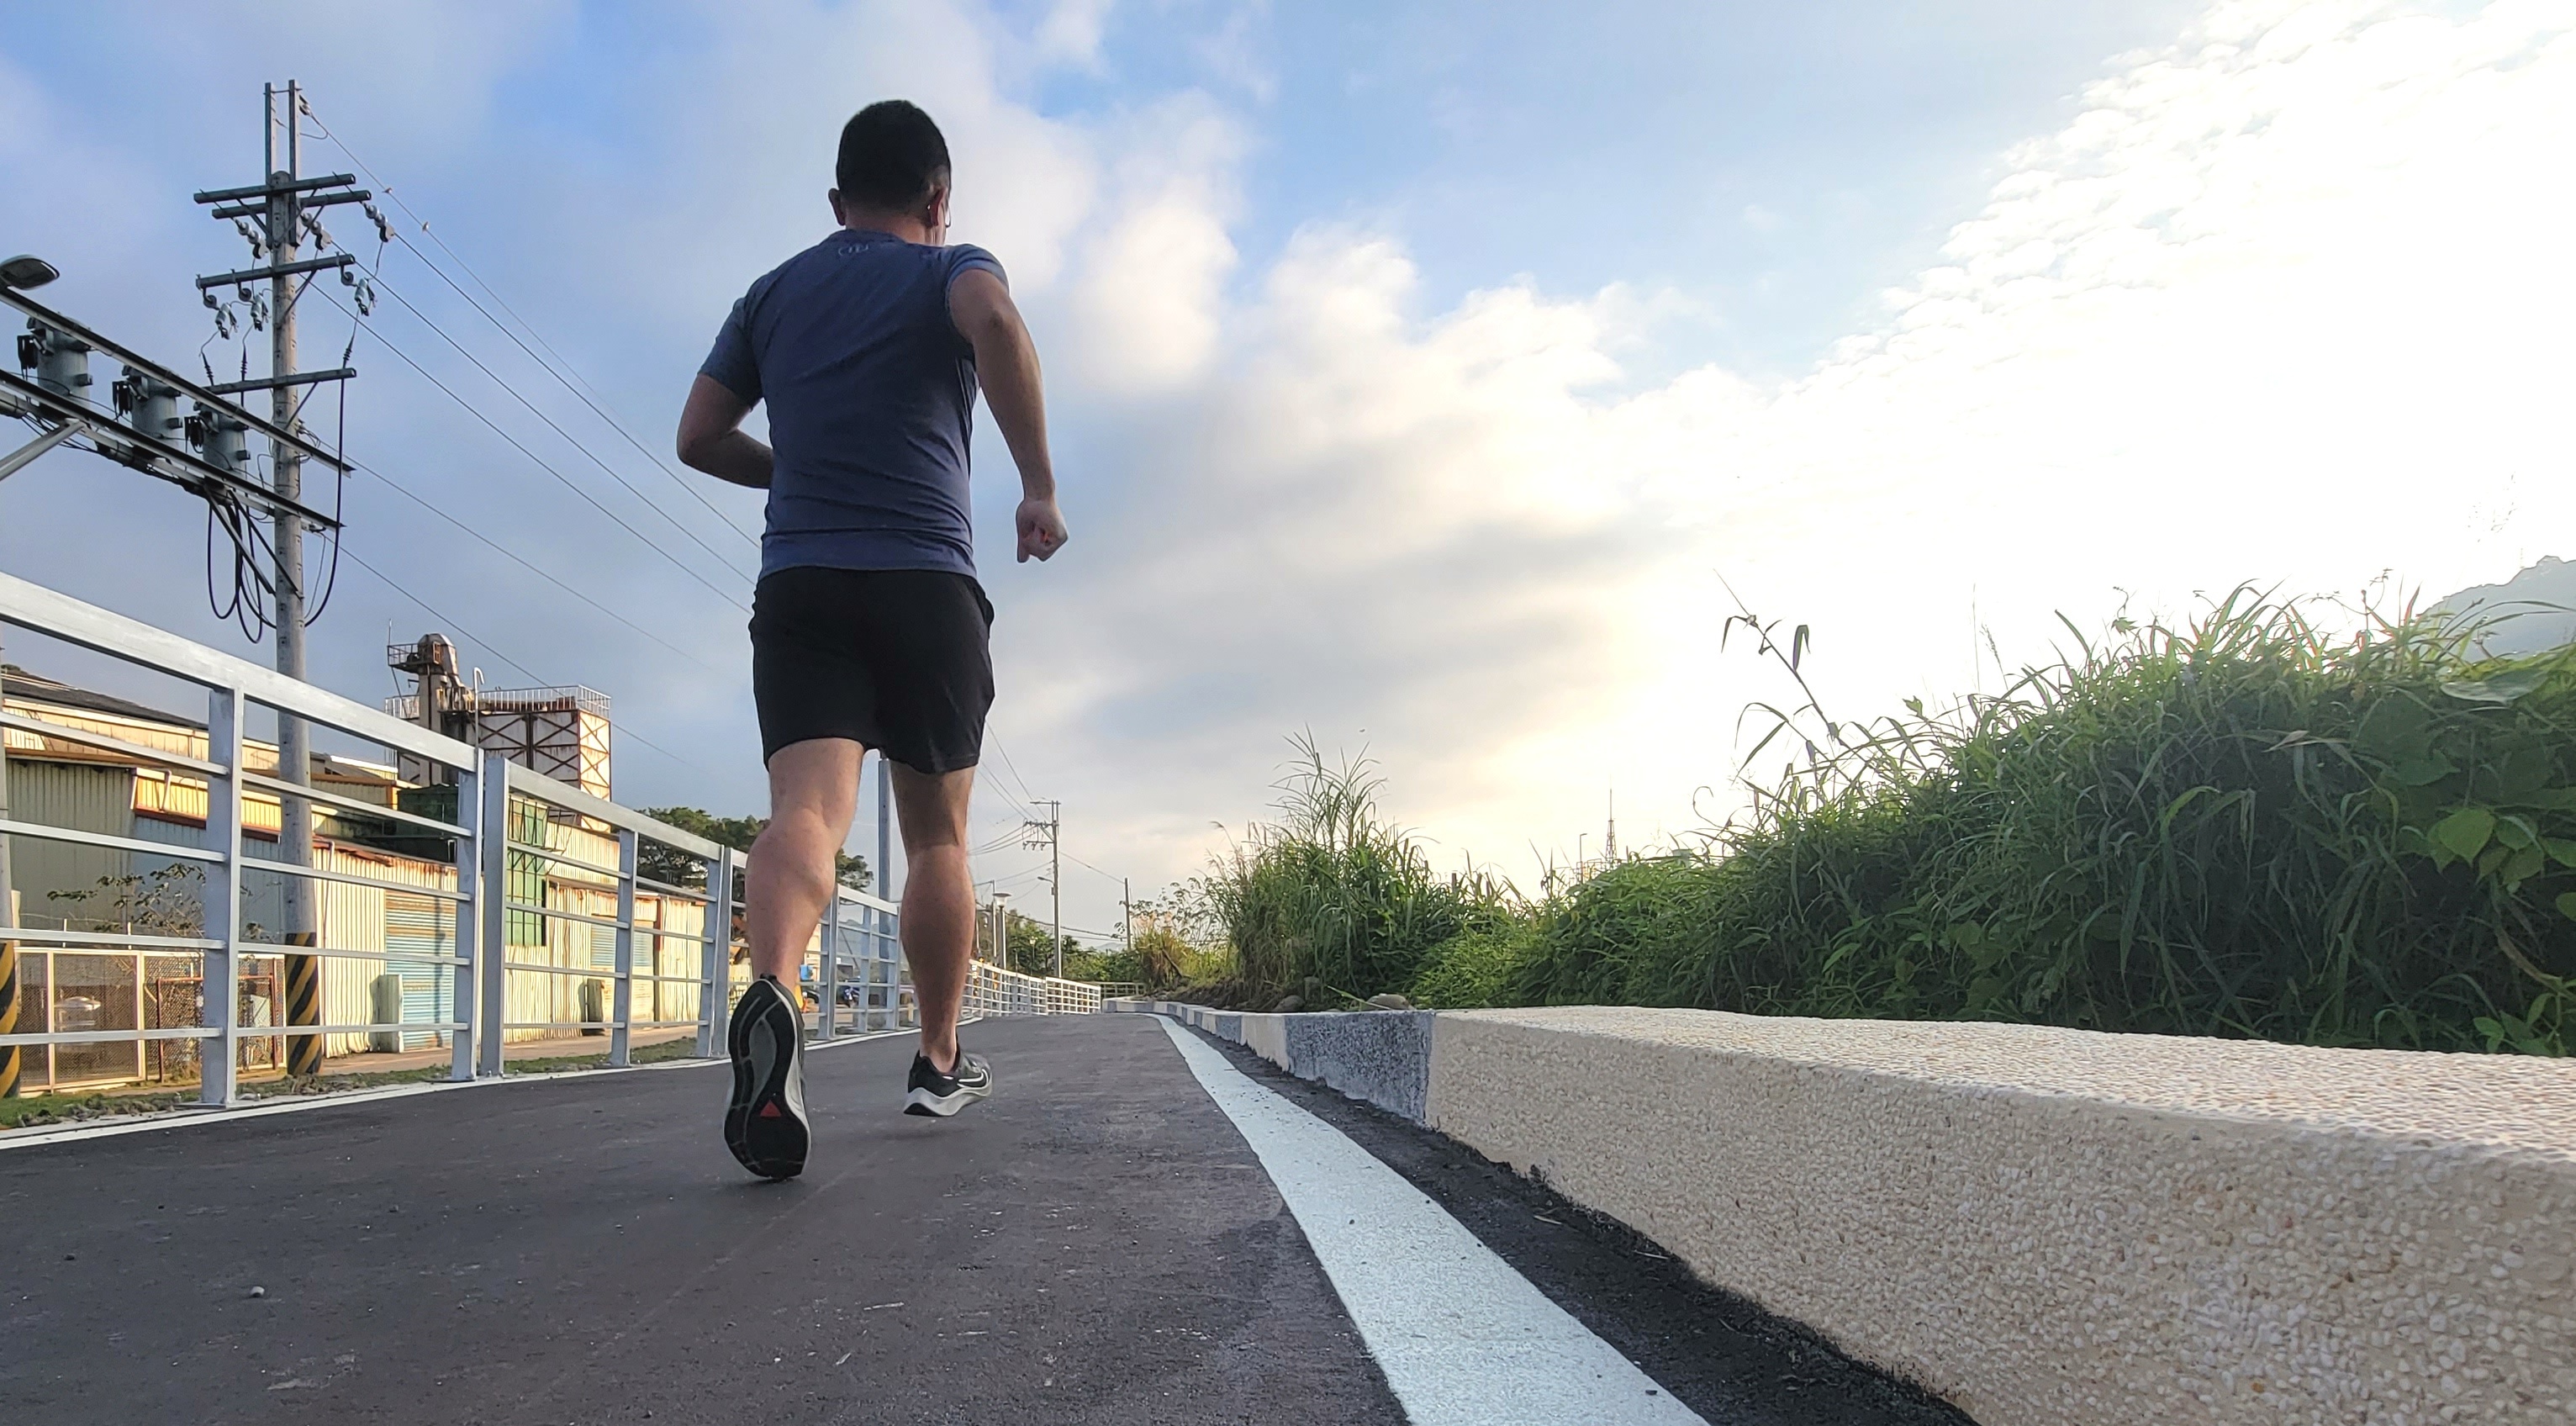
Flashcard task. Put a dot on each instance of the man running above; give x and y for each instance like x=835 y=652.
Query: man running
x=868 y=629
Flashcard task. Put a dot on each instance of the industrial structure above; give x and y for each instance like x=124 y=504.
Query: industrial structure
x=563 y=732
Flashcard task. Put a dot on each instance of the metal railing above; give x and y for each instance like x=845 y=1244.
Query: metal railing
x=546 y=828
x=551 y=910
x=233 y=687
x=992 y=990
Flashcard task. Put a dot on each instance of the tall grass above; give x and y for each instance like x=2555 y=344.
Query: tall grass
x=2248 y=826
x=1333 y=893
x=2244 y=827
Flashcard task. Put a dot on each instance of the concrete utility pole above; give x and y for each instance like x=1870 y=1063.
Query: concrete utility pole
x=1127 y=915
x=294 y=739
x=1055 y=877
x=1046 y=835
x=279 y=204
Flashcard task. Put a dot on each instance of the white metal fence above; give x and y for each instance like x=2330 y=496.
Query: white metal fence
x=555 y=911
x=992 y=990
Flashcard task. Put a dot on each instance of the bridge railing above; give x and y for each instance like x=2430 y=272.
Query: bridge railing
x=993 y=990
x=211 y=776
x=479 y=905
x=572 y=947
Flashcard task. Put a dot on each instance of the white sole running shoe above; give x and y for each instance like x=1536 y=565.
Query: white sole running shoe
x=937 y=1096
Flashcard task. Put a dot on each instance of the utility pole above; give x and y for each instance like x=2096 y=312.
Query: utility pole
x=279 y=204
x=1127 y=915
x=1049 y=836
x=885 y=828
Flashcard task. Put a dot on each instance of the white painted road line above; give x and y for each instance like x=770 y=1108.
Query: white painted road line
x=1463 y=1339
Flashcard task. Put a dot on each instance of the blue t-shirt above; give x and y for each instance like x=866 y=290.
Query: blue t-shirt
x=871 y=394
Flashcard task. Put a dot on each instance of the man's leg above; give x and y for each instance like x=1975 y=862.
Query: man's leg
x=813 y=793
x=938 y=924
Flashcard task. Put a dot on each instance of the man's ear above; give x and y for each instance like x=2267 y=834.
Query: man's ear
x=935 y=212
x=839 y=214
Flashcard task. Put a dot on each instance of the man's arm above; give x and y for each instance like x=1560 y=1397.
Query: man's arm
x=1006 y=363
x=712 y=439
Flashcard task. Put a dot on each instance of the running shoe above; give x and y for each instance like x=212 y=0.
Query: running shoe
x=937 y=1095
x=765 y=1121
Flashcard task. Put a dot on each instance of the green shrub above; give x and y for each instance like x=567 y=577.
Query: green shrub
x=1474 y=970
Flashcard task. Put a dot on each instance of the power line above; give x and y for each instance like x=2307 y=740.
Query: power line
x=1077 y=861
x=541 y=464
x=444 y=619
x=996 y=740
x=549 y=367
x=531 y=567
x=574 y=441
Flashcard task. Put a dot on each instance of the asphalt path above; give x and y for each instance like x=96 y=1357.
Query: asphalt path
x=1093 y=1244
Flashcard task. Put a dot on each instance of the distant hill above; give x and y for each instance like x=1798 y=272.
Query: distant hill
x=2534 y=610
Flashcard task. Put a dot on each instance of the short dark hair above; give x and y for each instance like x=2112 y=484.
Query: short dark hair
x=892 y=156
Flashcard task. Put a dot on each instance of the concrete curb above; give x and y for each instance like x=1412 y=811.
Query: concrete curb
x=1381 y=1057
x=2042 y=1226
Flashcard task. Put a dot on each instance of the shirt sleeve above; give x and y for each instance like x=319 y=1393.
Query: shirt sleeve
x=731 y=363
x=966 y=257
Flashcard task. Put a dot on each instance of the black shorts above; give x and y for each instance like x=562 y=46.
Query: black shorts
x=899 y=660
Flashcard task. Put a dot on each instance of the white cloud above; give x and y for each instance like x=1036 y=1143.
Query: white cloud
x=1071 y=31
x=1146 y=309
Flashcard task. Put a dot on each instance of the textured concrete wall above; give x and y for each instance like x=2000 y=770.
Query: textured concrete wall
x=2049 y=1226
x=1380 y=1056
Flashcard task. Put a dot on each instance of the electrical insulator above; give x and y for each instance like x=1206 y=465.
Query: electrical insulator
x=151 y=406
x=220 y=438
x=61 y=361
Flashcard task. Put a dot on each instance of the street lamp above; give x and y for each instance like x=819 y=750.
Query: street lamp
x=1001 y=929
x=27 y=270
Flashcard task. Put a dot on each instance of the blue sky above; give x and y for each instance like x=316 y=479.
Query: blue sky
x=1415 y=368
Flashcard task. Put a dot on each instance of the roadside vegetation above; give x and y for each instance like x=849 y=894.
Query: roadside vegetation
x=2251 y=826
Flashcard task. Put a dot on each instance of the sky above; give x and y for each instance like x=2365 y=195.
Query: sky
x=1423 y=376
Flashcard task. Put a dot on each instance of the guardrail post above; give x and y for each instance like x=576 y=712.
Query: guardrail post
x=621 y=1014
x=715 y=958
x=219 y=975
x=494 y=971
x=464 y=1003
x=881 y=972
x=826 y=1025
